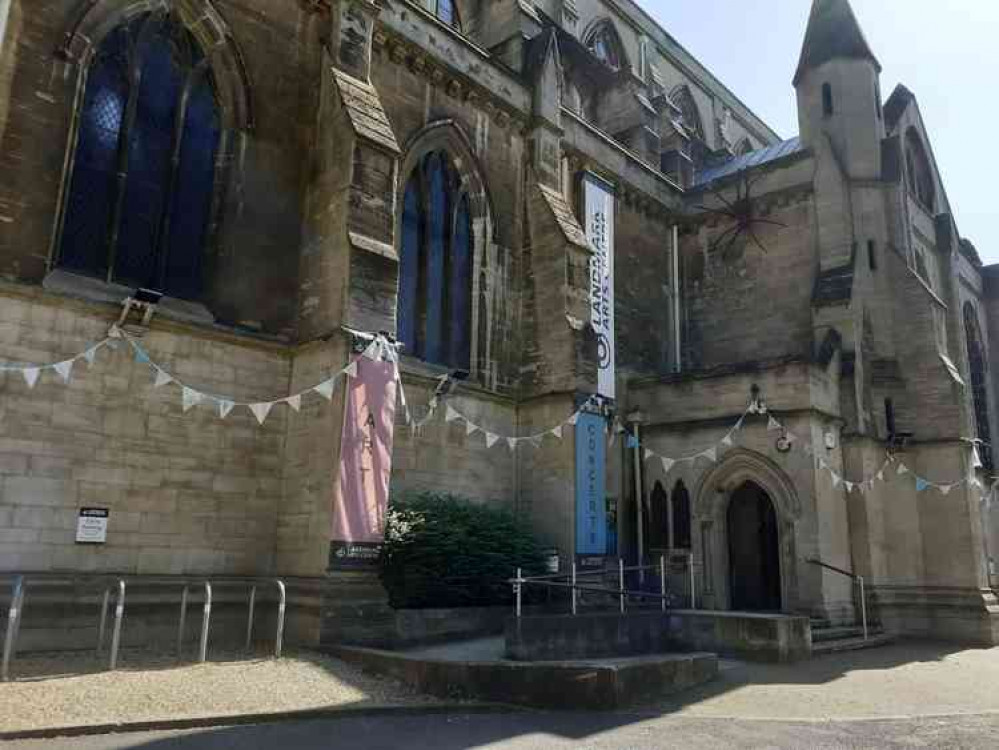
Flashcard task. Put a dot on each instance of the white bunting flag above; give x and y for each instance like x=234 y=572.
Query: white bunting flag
x=881 y=476
x=190 y=398
x=225 y=406
x=836 y=479
x=618 y=428
x=162 y=378
x=450 y=415
x=648 y=454
x=351 y=369
x=727 y=441
x=574 y=419
x=325 y=389
x=945 y=489
x=976 y=459
x=711 y=454
x=31 y=375
x=65 y=369
x=849 y=486
x=470 y=429
x=557 y=432
x=902 y=469
x=738 y=425
x=667 y=465
x=512 y=442
x=91 y=354
x=752 y=408
x=260 y=411
x=491 y=439
x=772 y=424
x=976 y=484
x=114 y=332
x=295 y=402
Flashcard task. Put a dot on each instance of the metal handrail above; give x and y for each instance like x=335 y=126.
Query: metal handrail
x=20 y=581
x=550 y=581
x=858 y=579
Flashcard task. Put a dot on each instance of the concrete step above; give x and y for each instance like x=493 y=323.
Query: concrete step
x=840 y=645
x=830 y=633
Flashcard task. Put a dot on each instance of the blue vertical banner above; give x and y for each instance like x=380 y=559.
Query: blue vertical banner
x=591 y=483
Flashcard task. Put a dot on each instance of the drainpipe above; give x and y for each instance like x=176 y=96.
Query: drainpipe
x=675 y=282
x=636 y=419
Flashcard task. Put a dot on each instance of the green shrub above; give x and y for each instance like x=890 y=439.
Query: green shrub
x=444 y=551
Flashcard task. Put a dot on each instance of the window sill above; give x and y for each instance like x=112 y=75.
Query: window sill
x=61 y=281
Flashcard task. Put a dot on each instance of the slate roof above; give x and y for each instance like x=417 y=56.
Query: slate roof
x=833 y=33
x=748 y=161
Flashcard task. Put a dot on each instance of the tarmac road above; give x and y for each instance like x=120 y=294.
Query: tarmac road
x=555 y=731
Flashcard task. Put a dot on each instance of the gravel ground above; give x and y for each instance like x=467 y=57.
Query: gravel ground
x=58 y=690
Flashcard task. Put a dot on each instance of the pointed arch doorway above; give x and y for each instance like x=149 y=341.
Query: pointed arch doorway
x=753 y=550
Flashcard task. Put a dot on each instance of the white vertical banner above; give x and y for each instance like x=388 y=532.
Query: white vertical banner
x=598 y=199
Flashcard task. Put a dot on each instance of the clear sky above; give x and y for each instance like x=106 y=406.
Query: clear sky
x=946 y=53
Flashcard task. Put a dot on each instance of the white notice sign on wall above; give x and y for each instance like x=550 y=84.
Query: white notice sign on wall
x=92 y=526
x=598 y=198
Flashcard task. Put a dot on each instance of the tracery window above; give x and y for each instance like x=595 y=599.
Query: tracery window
x=681 y=516
x=920 y=175
x=435 y=265
x=979 y=385
x=605 y=45
x=140 y=195
x=682 y=97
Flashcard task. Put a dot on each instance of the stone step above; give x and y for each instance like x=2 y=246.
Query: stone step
x=840 y=645
x=830 y=633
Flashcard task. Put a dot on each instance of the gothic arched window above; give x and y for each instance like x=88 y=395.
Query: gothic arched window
x=682 y=97
x=681 y=516
x=605 y=45
x=979 y=384
x=140 y=197
x=434 y=312
x=920 y=175
x=448 y=13
x=659 y=518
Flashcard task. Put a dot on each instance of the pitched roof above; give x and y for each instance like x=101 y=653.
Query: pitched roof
x=896 y=105
x=758 y=158
x=833 y=33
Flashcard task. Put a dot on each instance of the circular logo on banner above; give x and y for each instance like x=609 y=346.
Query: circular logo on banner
x=603 y=351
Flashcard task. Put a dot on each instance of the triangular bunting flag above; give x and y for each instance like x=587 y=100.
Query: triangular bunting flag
x=632 y=442
x=667 y=464
x=351 y=369
x=738 y=425
x=648 y=454
x=975 y=483
x=711 y=454
x=470 y=428
x=574 y=419
x=836 y=479
x=921 y=484
x=945 y=489
x=325 y=389
x=64 y=369
x=140 y=355
x=727 y=441
x=772 y=424
x=114 y=332
x=491 y=439
x=260 y=411
x=295 y=402
x=91 y=354
x=190 y=398
x=512 y=442
x=976 y=459
x=225 y=406
x=752 y=408
x=849 y=486
x=31 y=375
x=881 y=477
x=162 y=378
x=902 y=469
x=450 y=415
x=618 y=428
x=557 y=432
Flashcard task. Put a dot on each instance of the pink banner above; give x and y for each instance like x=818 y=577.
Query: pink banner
x=361 y=495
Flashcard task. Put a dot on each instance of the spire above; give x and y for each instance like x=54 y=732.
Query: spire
x=833 y=33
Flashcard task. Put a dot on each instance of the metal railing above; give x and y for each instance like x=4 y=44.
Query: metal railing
x=21 y=582
x=858 y=580
x=571 y=581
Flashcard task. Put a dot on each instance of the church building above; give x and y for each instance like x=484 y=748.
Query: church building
x=621 y=305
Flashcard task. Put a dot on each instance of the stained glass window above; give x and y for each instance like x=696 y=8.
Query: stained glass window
x=448 y=13
x=139 y=201
x=605 y=45
x=435 y=266
x=681 y=516
x=979 y=384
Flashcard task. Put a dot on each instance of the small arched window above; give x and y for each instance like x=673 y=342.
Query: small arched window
x=140 y=196
x=920 y=176
x=605 y=45
x=681 y=516
x=435 y=265
x=682 y=97
x=447 y=12
x=827 y=100
x=979 y=384
x=659 y=518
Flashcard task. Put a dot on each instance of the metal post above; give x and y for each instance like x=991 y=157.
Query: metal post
x=13 y=624
x=693 y=584
x=119 y=612
x=639 y=502
x=279 y=640
x=206 y=616
x=249 y=619
x=574 y=588
x=516 y=590
x=662 y=581
x=863 y=605
x=620 y=582
x=102 y=628
x=180 y=627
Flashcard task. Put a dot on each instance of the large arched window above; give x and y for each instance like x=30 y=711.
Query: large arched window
x=435 y=265
x=681 y=516
x=682 y=97
x=140 y=196
x=979 y=386
x=659 y=518
x=920 y=176
x=605 y=45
